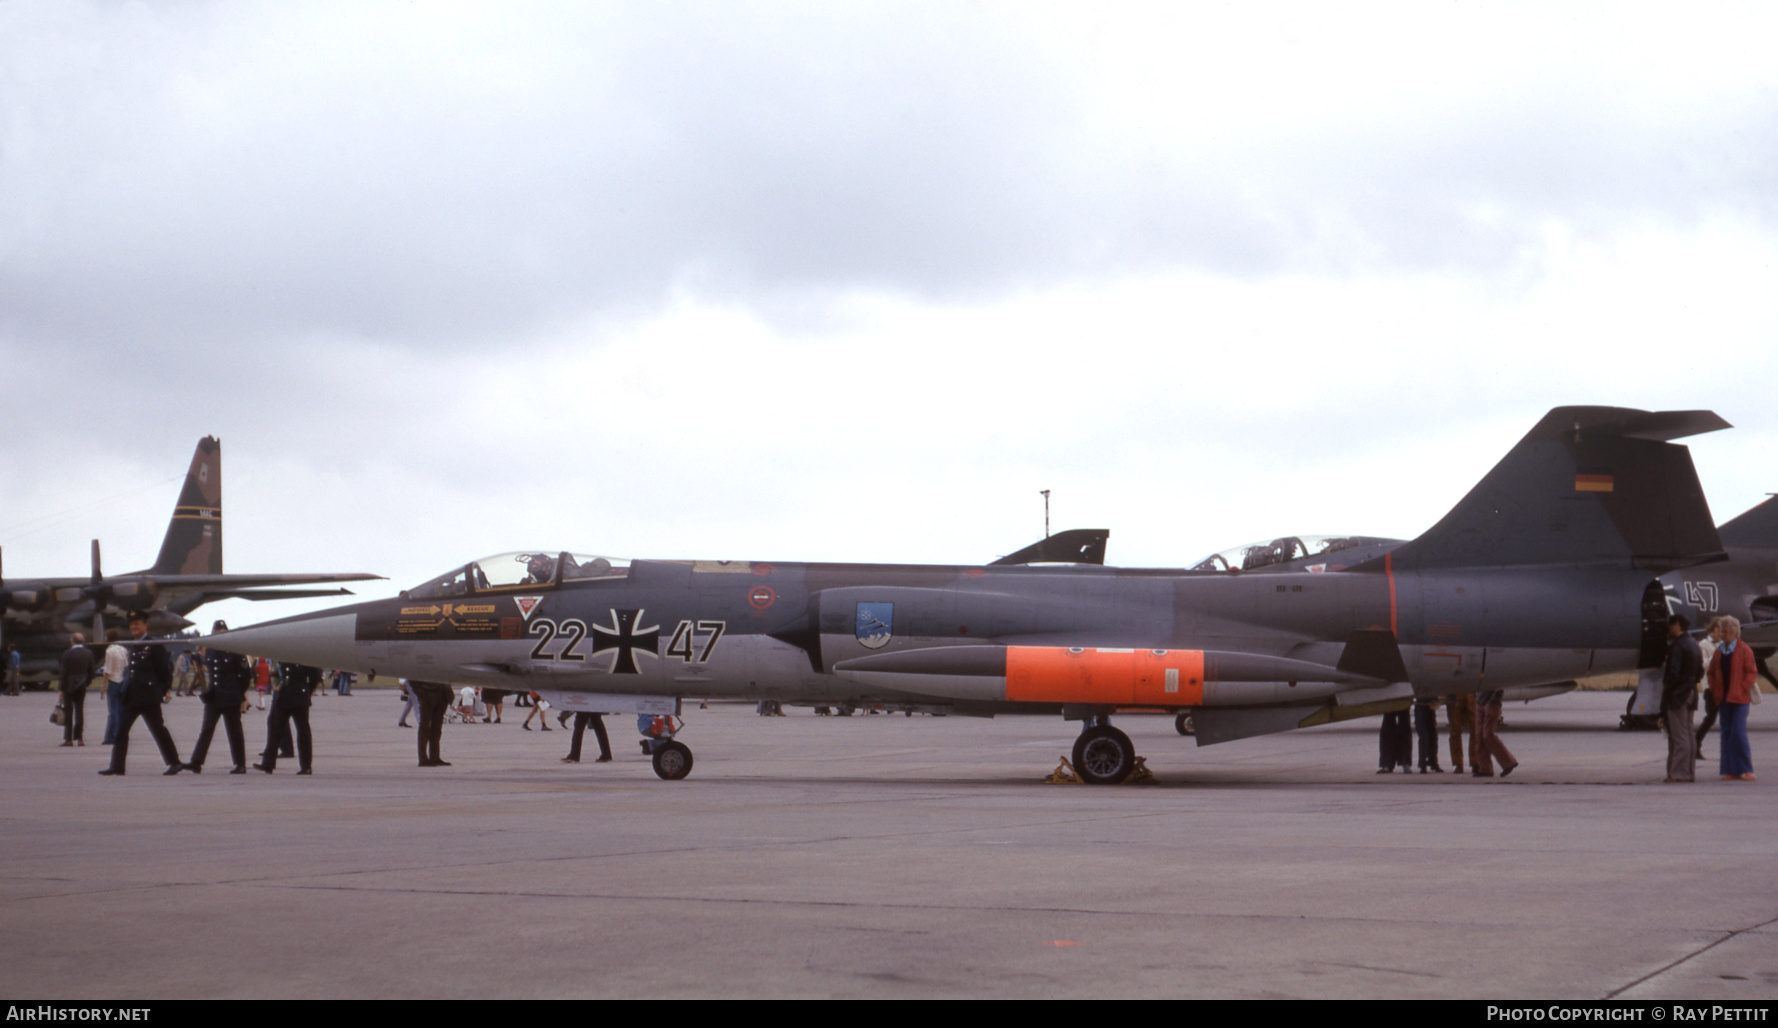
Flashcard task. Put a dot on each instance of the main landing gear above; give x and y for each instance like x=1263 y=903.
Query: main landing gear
x=1102 y=754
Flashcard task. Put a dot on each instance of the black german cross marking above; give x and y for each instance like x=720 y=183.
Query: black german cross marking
x=627 y=640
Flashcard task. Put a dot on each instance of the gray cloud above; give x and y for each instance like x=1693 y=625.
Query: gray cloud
x=266 y=174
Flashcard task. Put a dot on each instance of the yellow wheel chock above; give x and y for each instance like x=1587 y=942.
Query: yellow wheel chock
x=1064 y=774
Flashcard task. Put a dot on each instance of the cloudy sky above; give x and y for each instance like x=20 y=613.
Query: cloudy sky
x=854 y=282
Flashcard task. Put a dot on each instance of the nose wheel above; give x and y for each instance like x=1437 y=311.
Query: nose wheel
x=1103 y=755
x=672 y=760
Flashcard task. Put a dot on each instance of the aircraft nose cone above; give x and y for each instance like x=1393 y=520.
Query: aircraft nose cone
x=319 y=642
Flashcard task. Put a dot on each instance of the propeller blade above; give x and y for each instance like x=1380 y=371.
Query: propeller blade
x=97 y=577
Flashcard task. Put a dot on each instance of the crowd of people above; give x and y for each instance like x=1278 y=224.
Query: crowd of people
x=1476 y=715
x=138 y=678
x=1718 y=667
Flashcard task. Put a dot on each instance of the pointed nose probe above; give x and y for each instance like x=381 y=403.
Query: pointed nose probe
x=319 y=641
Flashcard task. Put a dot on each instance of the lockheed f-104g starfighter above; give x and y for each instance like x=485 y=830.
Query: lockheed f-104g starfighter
x=1546 y=571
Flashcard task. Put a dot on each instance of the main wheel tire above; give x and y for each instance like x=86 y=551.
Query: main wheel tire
x=1104 y=756
x=1183 y=725
x=672 y=761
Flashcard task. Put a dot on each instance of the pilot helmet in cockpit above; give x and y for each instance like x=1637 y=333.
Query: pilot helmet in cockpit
x=539 y=568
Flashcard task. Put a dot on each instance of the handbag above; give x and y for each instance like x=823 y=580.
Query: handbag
x=58 y=716
x=1752 y=690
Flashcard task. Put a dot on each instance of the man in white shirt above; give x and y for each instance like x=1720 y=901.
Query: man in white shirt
x=117 y=664
x=1707 y=645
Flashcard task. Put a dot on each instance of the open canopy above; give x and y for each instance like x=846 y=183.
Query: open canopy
x=522 y=569
x=1277 y=551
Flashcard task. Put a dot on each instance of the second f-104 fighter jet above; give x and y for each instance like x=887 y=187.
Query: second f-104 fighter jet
x=1546 y=571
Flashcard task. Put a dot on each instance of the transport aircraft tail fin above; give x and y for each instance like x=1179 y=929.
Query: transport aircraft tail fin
x=1075 y=546
x=1757 y=527
x=193 y=543
x=1587 y=485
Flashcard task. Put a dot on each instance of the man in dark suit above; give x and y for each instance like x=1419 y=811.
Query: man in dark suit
x=292 y=707
x=229 y=675
x=150 y=677
x=1679 y=697
x=77 y=671
x=581 y=720
x=435 y=699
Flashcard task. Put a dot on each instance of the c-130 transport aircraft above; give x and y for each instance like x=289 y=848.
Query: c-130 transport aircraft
x=1546 y=571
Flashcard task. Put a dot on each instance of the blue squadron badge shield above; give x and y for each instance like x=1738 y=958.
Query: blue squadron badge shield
x=874 y=621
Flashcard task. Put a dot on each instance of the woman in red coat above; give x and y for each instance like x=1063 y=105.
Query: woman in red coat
x=1734 y=674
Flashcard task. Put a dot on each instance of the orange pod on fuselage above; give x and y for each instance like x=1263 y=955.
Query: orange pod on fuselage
x=1075 y=674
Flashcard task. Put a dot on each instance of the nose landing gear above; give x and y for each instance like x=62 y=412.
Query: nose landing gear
x=672 y=759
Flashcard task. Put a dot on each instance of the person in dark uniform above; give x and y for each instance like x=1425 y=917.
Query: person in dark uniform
x=149 y=678
x=297 y=686
x=1426 y=733
x=435 y=699
x=1395 y=743
x=581 y=720
x=277 y=733
x=77 y=671
x=228 y=674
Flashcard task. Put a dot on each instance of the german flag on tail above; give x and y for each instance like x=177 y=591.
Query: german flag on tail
x=1592 y=480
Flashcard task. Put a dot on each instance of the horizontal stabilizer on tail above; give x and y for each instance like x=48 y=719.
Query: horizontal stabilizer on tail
x=1587 y=485
x=1075 y=546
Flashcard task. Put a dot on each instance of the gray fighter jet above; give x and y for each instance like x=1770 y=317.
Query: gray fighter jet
x=1548 y=570
x=41 y=614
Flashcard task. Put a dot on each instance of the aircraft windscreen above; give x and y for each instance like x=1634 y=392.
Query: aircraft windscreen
x=1276 y=551
x=524 y=569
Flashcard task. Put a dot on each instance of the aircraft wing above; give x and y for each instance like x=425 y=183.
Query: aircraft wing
x=226 y=582
x=183 y=594
x=274 y=594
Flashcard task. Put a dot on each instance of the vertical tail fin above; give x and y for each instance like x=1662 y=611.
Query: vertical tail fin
x=1758 y=526
x=193 y=544
x=1587 y=485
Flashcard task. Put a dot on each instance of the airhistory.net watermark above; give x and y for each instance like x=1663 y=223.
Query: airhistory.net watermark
x=58 y=1012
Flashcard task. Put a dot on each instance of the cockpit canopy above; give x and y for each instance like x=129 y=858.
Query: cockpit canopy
x=1278 y=551
x=525 y=569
